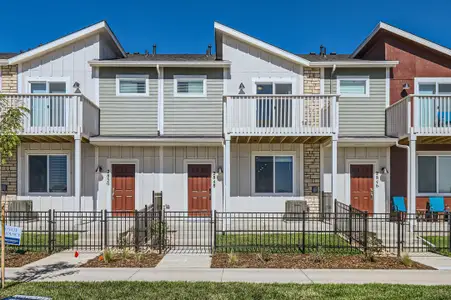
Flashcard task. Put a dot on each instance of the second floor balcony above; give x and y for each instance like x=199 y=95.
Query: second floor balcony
x=422 y=115
x=57 y=114
x=281 y=115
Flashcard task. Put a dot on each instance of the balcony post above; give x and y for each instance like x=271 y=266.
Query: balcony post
x=77 y=172
x=226 y=181
x=334 y=166
x=412 y=173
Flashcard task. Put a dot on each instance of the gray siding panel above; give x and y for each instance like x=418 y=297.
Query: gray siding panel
x=127 y=115
x=193 y=116
x=360 y=116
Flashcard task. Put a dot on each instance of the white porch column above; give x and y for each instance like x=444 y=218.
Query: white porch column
x=77 y=172
x=334 y=170
x=226 y=174
x=412 y=174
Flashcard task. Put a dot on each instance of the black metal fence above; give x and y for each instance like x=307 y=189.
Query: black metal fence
x=346 y=230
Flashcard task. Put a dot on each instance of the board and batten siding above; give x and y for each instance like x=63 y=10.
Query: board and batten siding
x=196 y=116
x=128 y=115
x=360 y=116
x=70 y=61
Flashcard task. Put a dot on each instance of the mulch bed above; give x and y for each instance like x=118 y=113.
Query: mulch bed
x=17 y=260
x=309 y=261
x=147 y=260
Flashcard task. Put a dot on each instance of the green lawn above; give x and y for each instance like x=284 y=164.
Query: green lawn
x=282 y=242
x=224 y=291
x=441 y=242
x=40 y=242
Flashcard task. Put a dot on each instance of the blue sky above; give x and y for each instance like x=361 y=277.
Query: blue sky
x=185 y=26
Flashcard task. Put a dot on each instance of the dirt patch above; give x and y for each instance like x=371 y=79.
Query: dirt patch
x=132 y=260
x=309 y=261
x=17 y=260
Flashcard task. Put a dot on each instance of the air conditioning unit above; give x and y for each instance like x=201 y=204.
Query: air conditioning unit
x=19 y=205
x=295 y=208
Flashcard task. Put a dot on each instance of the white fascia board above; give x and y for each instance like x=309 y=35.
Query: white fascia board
x=64 y=41
x=112 y=63
x=403 y=34
x=355 y=64
x=160 y=141
x=260 y=44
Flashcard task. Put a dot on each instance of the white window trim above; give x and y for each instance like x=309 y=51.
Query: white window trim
x=431 y=80
x=437 y=169
x=190 y=78
x=47 y=80
x=274 y=81
x=134 y=77
x=357 y=78
x=47 y=153
x=274 y=153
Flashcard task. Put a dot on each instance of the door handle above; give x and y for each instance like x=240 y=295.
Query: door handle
x=113 y=192
x=372 y=193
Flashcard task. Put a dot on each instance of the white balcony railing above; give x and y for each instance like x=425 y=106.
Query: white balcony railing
x=277 y=115
x=57 y=114
x=421 y=115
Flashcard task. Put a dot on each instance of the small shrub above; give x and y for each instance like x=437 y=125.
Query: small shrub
x=126 y=253
x=370 y=256
x=406 y=260
x=139 y=256
x=264 y=255
x=107 y=255
x=233 y=258
x=319 y=255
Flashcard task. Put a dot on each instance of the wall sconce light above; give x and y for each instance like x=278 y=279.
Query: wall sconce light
x=220 y=171
x=99 y=169
x=405 y=86
x=384 y=170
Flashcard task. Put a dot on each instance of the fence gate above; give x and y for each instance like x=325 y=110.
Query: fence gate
x=188 y=232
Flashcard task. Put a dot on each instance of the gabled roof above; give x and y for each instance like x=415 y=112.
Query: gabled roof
x=404 y=34
x=80 y=34
x=167 y=57
x=260 y=44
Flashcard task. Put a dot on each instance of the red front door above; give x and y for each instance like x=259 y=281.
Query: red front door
x=362 y=188
x=123 y=187
x=199 y=190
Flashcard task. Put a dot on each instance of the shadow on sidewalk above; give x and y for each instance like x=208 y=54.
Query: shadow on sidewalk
x=41 y=272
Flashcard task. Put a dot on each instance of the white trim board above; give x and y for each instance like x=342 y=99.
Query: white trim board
x=61 y=42
x=124 y=161
x=375 y=163
x=404 y=34
x=200 y=161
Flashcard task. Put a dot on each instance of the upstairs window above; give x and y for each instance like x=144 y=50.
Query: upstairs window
x=433 y=86
x=132 y=85
x=353 y=86
x=48 y=87
x=190 y=86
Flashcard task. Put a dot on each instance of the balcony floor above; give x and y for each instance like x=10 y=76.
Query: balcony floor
x=279 y=139
x=431 y=140
x=49 y=139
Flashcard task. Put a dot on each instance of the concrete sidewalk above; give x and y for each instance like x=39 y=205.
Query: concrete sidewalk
x=61 y=272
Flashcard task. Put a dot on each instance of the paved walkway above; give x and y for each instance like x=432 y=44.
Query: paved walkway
x=185 y=261
x=61 y=273
x=436 y=261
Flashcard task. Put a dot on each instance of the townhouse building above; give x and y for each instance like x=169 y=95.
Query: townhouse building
x=251 y=127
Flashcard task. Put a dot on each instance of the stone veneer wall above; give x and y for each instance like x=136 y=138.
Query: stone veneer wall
x=9 y=169
x=312 y=85
x=312 y=175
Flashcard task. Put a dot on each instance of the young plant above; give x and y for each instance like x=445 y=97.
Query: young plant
x=406 y=260
x=107 y=255
x=264 y=255
x=233 y=258
x=319 y=256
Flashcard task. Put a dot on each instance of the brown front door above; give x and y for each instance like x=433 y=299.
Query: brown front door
x=199 y=190
x=362 y=187
x=123 y=187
